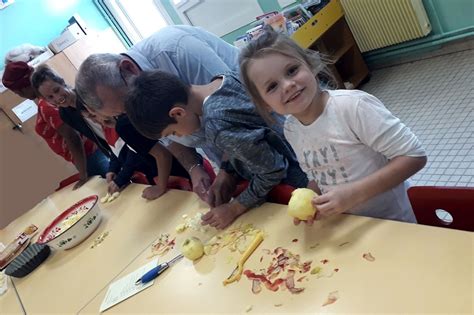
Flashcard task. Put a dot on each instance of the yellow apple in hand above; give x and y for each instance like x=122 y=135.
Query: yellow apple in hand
x=192 y=248
x=300 y=205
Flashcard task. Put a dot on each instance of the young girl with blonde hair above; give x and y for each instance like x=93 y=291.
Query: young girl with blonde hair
x=356 y=154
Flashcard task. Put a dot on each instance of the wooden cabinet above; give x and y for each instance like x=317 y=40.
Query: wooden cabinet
x=104 y=42
x=29 y=169
x=328 y=33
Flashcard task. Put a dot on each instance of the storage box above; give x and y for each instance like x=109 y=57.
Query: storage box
x=68 y=37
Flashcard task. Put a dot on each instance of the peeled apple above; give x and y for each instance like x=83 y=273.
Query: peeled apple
x=300 y=205
x=192 y=248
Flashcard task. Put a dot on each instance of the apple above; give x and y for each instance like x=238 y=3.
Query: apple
x=300 y=205
x=192 y=248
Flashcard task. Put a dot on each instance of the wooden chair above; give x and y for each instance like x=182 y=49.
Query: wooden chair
x=281 y=193
x=139 y=178
x=181 y=183
x=174 y=182
x=427 y=201
x=68 y=181
x=209 y=170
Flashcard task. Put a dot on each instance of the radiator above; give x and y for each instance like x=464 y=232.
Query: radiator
x=380 y=23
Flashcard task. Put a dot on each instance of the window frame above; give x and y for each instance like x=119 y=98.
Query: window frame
x=116 y=14
x=182 y=6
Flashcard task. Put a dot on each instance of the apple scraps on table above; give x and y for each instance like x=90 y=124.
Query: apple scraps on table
x=321 y=272
x=193 y=223
x=281 y=272
x=283 y=267
x=368 y=257
x=99 y=239
x=236 y=239
x=162 y=246
x=332 y=298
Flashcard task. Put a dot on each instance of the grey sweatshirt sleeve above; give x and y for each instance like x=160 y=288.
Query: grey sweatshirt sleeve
x=253 y=158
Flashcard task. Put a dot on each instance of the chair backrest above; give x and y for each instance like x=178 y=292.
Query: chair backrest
x=139 y=178
x=457 y=201
x=209 y=170
x=181 y=183
x=281 y=193
x=68 y=181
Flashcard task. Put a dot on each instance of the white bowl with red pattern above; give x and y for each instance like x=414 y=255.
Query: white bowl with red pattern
x=74 y=225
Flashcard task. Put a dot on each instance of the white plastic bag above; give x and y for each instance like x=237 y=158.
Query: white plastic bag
x=24 y=52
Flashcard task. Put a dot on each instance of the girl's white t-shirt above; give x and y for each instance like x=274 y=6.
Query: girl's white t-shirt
x=354 y=137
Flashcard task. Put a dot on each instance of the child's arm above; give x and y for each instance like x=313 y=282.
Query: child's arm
x=75 y=145
x=163 y=161
x=344 y=197
x=114 y=167
x=377 y=128
x=144 y=146
x=51 y=115
x=130 y=164
x=260 y=160
x=191 y=161
x=224 y=185
x=110 y=176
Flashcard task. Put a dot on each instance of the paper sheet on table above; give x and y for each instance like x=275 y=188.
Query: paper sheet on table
x=3 y=283
x=125 y=287
x=3 y=277
x=25 y=110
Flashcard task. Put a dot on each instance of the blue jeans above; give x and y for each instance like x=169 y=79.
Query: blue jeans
x=97 y=163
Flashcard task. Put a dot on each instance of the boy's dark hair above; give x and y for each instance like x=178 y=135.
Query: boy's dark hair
x=42 y=73
x=151 y=96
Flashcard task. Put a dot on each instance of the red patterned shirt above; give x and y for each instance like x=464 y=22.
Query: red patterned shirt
x=48 y=122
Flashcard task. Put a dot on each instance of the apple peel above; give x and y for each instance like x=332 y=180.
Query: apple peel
x=234 y=240
x=368 y=257
x=332 y=298
x=274 y=277
x=162 y=246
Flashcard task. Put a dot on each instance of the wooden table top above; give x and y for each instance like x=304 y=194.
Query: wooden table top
x=417 y=269
x=69 y=279
x=10 y=302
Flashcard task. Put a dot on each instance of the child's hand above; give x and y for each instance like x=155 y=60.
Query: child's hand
x=221 y=189
x=337 y=200
x=153 y=192
x=113 y=187
x=201 y=182
x=222 y=216
x=110 y=176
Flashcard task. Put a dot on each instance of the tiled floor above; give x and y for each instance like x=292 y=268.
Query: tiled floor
x=435 y=98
